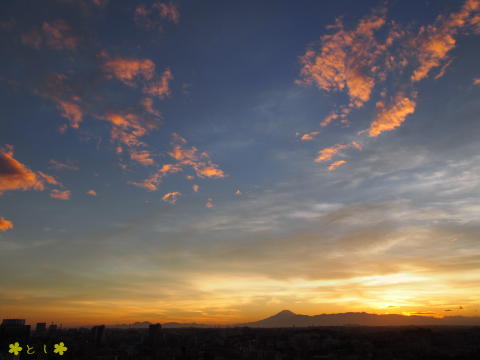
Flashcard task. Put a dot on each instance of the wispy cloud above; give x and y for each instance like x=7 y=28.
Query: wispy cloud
x=55 y=35
x=355 y=62
x=72 y=112
x=5 y=224
x=16 y=176
x=152 y=182
x=144 y=157
x=391 y=116
x=326 y=154
x=434 y=42
x=345 y=59
x=336 y=164
x=308 y=136
x=48 y=178
x=151 y=16
x=127 y=70
x=171 y=197
x=200 y=162
x=58 y=165
x=209 y=203
x=127 y=129
x=168 y=11
x=58 y=35
x=147 y=104
x=161 y=86
x=183 y=156
x=60 y=194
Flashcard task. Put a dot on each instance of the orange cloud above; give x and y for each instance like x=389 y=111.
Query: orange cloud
x=434 y=42
x=153 y=181
x=60 y=90
x=209 y=203
x=309 y=136
x=201 y=163
x=5 y=224
x=48 y=178
x=345 y=60
x=389 y=118
x=327 y=153
x=60 y=194
x=171 y=197
x=142 y=156
x=126 y=70
x=329 y=118
x=72 y=112
x=91 y=192
x=336 y=164
x=179 y=153
x=195 y=187
x=149 y=17
x=476 y=81
x=184 y=156
x=127 y=129
x=208 y=170
x=58 y=35
x=238 y=192
x=168 y=11
x=160 y=87
x=443 y=69
x=15 y=175
x=147 y=104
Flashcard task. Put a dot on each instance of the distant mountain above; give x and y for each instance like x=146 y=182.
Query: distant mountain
x=146 y=324
x=287 y=318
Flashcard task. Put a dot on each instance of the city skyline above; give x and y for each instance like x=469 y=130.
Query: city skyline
x=219 y=162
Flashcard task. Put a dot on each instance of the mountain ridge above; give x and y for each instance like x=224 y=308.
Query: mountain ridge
x=287 y=318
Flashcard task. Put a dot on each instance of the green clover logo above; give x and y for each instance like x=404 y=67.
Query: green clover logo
x=60 y=348
x=15 y=348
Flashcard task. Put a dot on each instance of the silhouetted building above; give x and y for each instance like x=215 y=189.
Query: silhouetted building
x=14 y=329
x=155 y=334
x=52 y=329
x=98 y=334
x=41 y=328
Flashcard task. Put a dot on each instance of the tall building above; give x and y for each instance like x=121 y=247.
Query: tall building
x=52 y=329
x=41 y=328
x=14 y=329
x=98 y=334
x=155 y=334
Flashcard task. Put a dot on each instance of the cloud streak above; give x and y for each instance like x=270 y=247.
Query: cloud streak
x=151 y=17
x=171 y=197
x=336 y=164
x=60 y=194
x=390 y=117
x=355 y=62
x=327 y=154
x=16 y=176
x=55 y=35
x=5 y=224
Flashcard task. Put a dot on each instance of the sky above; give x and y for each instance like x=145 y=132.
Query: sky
x=220 y=161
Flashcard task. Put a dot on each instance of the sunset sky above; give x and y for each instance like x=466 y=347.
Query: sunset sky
x=220 y=161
